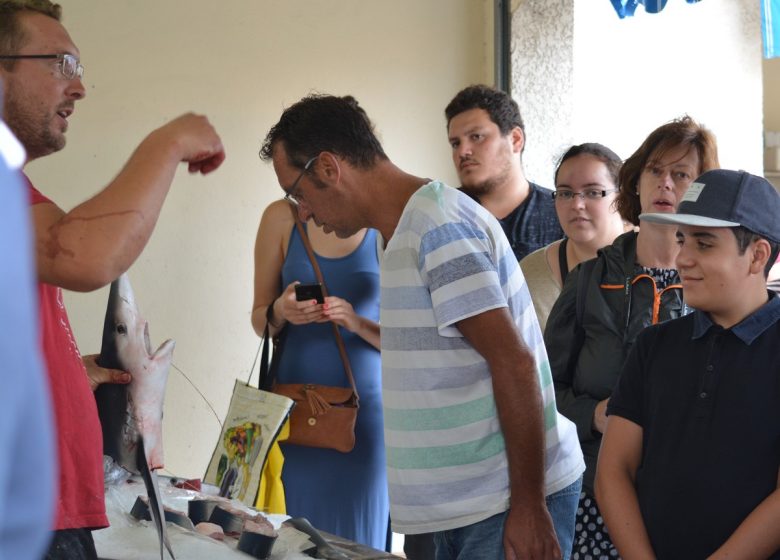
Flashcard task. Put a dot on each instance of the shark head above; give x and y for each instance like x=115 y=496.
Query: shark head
x=125 y=332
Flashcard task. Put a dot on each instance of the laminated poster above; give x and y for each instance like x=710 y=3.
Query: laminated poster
x=252 y=424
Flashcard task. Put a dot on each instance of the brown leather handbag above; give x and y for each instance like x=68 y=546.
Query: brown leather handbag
x=323 y=415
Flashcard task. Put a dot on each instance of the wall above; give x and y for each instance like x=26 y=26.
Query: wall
x=626 y=77
x=241 y=62
x=771 y=70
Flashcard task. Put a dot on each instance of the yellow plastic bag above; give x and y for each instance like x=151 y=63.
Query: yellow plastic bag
x=270 y=497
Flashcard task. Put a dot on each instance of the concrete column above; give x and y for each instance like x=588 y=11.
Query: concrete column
x=542 y=72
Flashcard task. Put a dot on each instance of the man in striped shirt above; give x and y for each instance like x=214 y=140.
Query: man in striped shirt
x=476 y=452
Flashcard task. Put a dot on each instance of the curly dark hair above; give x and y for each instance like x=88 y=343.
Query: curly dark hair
x=680 y=132
x=503 y=110
x=606 y=156
x=319 y=123
x=11 y=33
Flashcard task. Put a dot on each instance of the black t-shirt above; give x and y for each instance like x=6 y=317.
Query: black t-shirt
x=708 y=402
x=534 y=224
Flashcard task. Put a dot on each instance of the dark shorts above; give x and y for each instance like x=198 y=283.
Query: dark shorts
x=72 y=544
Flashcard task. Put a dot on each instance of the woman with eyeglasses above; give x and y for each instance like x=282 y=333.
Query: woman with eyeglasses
x=607 y=301
x=585 y=191
x=342 y=493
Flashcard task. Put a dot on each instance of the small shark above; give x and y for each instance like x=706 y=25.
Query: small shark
x=131 y=415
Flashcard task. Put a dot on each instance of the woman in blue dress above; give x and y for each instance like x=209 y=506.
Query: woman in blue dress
x=341 y=493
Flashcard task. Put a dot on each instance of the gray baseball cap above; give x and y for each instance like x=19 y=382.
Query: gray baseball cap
x=726 y=198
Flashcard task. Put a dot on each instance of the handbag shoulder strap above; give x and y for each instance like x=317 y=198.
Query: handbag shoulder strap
x=264 y=381
x=321 y=280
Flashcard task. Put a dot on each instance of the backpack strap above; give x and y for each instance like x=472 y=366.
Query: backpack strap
x=584 y=275
x=586 y=271
x=563 y=262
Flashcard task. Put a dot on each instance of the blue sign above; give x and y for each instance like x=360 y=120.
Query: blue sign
x=626 y=8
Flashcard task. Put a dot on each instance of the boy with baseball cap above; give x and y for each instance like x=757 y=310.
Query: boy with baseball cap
x=689 y=464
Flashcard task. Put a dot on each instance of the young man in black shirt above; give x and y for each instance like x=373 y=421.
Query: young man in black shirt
x=487 y=137
x=689 y=461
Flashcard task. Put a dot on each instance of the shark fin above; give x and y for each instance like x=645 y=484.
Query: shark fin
x=165 y=350
x=155 y=502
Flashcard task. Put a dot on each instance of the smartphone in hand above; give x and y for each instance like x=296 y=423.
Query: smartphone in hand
x=305 y=292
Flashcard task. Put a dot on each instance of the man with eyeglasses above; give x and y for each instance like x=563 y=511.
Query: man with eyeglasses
x=476 y=452
x=85 y=248
x=487 y=136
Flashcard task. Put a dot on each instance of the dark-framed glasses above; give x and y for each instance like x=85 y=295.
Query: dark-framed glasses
x=68 y=65
x=291 y=195
x=565 y=195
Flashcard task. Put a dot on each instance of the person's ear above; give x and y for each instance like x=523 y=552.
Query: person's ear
x=761 y=252
x=517 y=136
x=329 y=167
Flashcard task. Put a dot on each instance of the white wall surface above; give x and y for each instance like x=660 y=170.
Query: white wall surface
x=629 y=76
x=241 y=62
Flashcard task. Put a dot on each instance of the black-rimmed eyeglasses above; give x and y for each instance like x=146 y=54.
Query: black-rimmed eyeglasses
x=291 y=195
x=587 y=194
x=69 y=66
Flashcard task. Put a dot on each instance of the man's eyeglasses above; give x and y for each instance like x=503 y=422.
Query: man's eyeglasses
x=291 y=195
x=587 y=194
x=68 y=65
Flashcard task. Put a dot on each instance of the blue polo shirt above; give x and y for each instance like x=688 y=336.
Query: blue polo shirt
x=708 y=402
x=27 y=446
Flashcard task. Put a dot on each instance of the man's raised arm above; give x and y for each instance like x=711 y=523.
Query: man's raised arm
x=91 y=245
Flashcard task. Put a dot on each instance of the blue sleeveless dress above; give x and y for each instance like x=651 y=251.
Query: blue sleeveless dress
x=341 y=493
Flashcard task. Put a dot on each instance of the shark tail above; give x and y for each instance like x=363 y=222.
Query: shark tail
x=155 y=502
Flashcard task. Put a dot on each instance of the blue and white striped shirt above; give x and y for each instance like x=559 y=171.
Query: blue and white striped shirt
x=449 y=260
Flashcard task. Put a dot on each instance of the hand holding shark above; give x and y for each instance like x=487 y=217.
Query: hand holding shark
x=97 y=375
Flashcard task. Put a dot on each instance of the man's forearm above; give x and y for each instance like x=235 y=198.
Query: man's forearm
x=757 y=536
x=517 y=396
x=99 y=239
x=619 y=505
x=522 y=423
